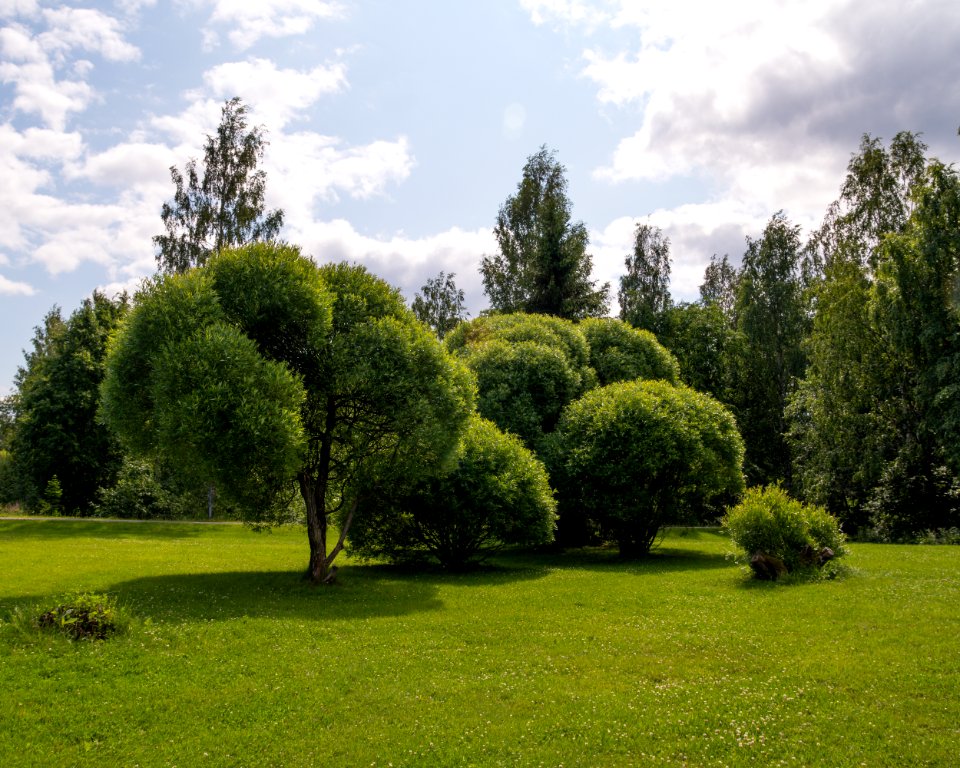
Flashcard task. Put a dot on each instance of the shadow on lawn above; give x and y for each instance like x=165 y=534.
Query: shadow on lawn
x=666 y=557
x=361 y=591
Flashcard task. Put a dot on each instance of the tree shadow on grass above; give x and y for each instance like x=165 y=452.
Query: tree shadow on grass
x=360 y=592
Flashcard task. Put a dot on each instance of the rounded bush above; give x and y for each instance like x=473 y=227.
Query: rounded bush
x=779 y=534
x=555 y=332
x=629 y=457
x=497 y=494
x=522 y=387
x=619 y=352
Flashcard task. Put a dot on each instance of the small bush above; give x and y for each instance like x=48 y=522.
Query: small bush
x=780 y=534
x=86 y=616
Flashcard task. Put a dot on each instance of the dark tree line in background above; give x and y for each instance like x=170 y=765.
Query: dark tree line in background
x=838 y=357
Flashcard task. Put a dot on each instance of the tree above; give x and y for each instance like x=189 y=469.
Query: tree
x=223 y=206
x=914 y=302
x=772 y=317
x=629 y=457
x=528 y=367
x=875 y=199
x=497 y=494
x=262 y=369
x=56 y=434
x=645 y=288
x=707 y=347
x=856 y=420
x=542 y=265
x=8 y=482
x=619 y=352
x=719 y=286
x=440 y=304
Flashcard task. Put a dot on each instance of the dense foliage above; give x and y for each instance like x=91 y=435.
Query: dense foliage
x=496 y=494
x=528 y=367
x=629 y=457
x=56 y=442
x=621 y=353
x=768 y=523
x=873 y=423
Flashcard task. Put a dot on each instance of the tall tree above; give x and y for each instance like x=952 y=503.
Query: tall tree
x=222 y=205
x=849 y=415
x=440 y=304
x=542 y=265
x=719 y=285
x=645 y=289
x=771 y=316
x=914 y=302
x=56 y=435
x=875 y=199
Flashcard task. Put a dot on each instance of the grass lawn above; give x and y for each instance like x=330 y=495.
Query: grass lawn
x=575 y=660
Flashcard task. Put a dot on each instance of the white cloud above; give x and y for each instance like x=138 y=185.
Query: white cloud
x=88 y=30
x=127 y=166
x=403 y=261
x=30 y=59
x=248 y=22
x=10 y=288
x=762 y=101
x=514 y=120
x=304 y=168
x=11 y=9
x=276 y=94
x=564 y=11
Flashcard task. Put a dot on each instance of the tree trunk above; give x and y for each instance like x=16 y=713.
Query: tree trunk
x=313 y=499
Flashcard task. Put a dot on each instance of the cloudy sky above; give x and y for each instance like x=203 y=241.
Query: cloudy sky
x=397 y=129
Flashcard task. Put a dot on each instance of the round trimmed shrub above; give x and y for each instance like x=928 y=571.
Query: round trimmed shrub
x=779 y=534
x=555 y=332
x=630 y=457
x=619 y=352
x=522 y=387
x=497 y=494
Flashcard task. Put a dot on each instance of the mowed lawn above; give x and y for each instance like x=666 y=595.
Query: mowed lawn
x=572 y=660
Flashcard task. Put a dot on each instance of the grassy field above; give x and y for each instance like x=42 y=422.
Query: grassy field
x=575 y=660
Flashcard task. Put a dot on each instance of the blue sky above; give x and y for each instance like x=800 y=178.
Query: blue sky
x=397 y=129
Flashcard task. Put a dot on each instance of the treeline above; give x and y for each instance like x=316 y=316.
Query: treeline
x=840 y=356
x=836 y=359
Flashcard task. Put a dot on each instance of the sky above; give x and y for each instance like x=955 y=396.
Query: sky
x=397 y=129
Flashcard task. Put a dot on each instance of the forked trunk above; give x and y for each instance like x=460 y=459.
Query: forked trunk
x=320 y=569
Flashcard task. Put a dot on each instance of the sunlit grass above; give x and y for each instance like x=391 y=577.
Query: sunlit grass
x=231 y=659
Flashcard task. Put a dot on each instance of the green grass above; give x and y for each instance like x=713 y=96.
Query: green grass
x=576 y=660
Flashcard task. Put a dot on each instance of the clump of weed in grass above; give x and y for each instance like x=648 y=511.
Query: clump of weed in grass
x=84 y=616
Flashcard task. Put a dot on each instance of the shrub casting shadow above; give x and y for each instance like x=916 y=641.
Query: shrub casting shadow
x=662 y=559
